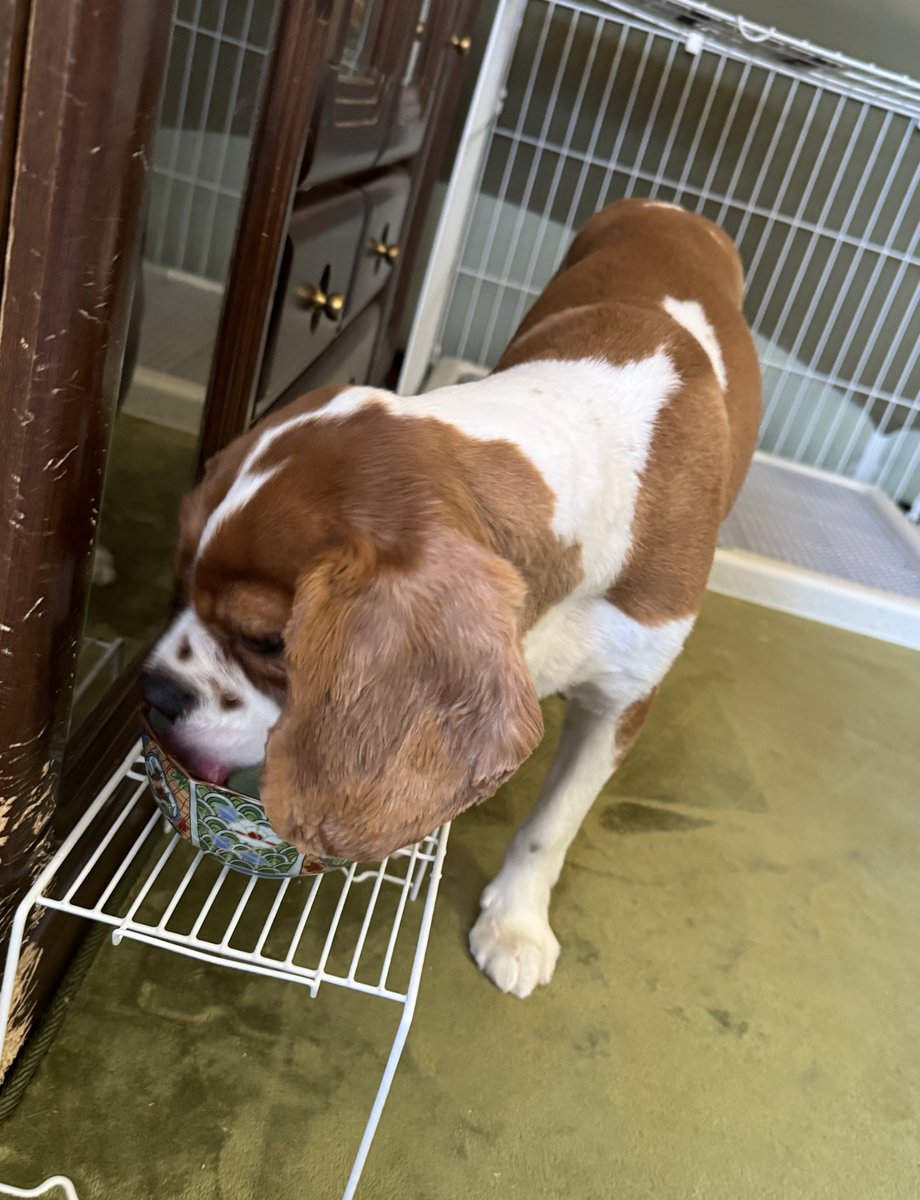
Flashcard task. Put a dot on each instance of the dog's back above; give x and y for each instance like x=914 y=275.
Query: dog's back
x=637 y=271
x=640 y=277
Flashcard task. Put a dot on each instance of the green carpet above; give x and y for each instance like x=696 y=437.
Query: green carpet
x=734 y=1016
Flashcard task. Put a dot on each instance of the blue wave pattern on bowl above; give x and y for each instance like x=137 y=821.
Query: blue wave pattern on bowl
x=230 y=827
x=236 y=832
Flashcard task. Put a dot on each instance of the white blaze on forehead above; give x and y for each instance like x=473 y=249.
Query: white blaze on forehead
x=690 y=315
x=250 y=479
x=242 y=490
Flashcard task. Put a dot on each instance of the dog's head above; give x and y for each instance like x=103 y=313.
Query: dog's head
x=342 y=625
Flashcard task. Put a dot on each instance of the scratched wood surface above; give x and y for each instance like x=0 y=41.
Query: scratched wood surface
x=90 y=87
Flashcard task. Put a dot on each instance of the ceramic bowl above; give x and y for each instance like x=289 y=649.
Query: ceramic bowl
x=228 y=825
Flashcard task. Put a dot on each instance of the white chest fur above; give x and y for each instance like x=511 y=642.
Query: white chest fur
x=586 y=646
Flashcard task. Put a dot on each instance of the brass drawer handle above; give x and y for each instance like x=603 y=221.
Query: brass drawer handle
x=382 y=250
x=461 y=44
x=331 y=303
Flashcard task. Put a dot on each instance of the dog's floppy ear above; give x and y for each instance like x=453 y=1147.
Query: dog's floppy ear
x=409 y=698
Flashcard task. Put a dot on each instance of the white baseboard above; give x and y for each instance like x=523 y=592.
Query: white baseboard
x=165 y=400
x=816 y=597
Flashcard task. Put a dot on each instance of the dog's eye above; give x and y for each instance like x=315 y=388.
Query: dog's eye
x=267 y=646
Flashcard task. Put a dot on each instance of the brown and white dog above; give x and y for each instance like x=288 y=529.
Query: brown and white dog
x=380 y=589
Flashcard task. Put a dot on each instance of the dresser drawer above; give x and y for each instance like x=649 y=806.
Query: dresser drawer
x=357 y=92
x=386 y=199
x=347 y=361
x=431 y=59
x=312 y=301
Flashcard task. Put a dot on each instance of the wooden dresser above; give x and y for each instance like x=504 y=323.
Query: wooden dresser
x=316 y=298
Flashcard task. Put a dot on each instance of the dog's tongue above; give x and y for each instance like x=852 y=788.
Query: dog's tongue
x=206 y=768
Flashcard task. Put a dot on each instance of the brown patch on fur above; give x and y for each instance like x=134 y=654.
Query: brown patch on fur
x=514 y=507
x=409 y=699
x=634 y=253
x=630 y=725
x=244 y=607
x=387 y=477
x=615 y=331
x=681 y=500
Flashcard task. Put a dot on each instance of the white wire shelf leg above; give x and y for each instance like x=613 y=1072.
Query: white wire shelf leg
x=50 y=1185
x=33 y=895
x=405 y=1020
x=11 y=968
x=383 y=1091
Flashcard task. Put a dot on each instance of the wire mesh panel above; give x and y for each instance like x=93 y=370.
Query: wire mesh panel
x=216 y=58
x=809 y=160
x=803 y=517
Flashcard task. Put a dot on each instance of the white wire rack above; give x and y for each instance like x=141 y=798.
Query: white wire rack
x=809 y=159
x=353 y=929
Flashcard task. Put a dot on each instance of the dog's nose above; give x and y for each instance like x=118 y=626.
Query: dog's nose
x=166 y=695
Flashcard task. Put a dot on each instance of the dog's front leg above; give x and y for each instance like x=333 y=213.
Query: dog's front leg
x=512 y=940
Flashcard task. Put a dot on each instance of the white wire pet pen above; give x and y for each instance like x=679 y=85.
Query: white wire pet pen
x=216 y=61
x=811 y=161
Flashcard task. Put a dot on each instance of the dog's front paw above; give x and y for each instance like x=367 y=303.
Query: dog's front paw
x=515 y=948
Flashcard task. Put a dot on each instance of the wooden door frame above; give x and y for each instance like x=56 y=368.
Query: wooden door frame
x=14 y=15
x=279 y=135
x=74 y=206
